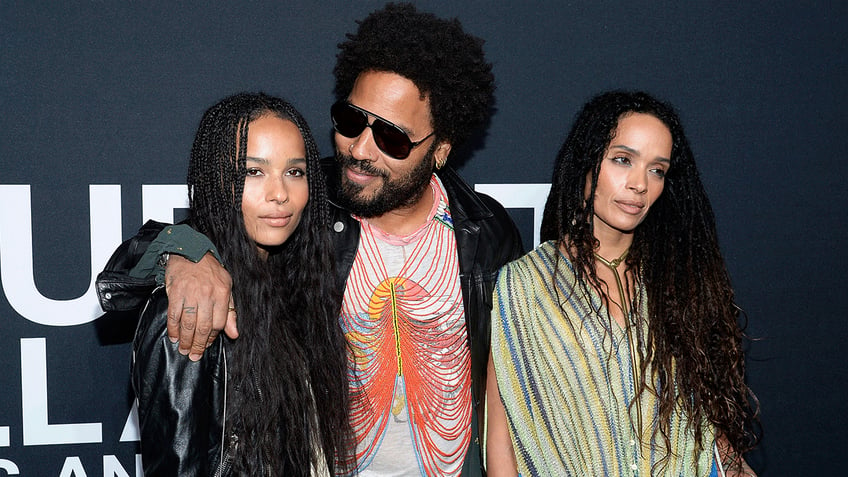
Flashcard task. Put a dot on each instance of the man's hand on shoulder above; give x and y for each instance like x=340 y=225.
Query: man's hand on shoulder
x=199 y=303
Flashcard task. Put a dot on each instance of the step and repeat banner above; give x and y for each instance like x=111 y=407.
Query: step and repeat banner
x=99 y=102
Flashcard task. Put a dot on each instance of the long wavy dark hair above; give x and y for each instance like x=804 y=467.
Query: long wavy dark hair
x=291 y=352
x=694 y=338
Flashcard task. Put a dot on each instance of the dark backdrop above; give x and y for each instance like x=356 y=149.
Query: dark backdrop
x=101 y=99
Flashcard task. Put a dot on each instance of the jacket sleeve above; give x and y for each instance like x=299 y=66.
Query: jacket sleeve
x=510 y=247
x=134 y=269
x=180 y=402
x=116 y=289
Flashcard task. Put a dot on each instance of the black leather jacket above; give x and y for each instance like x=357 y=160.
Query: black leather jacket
x=486 y=239
x=181 y=402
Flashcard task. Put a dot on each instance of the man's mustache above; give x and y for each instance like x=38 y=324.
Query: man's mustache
x=359 y=165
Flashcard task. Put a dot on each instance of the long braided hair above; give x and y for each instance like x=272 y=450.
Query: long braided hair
x=694 y=339
x=291 y=351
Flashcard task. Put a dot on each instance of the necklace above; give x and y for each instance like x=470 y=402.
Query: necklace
x=613 y=266
x=403 y=319
x=631 y=345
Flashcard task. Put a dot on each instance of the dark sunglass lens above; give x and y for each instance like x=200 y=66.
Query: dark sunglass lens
x=391 y=140
x=347 y=121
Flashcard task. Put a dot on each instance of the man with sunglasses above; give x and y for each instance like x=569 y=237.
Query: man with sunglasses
x=417 y=249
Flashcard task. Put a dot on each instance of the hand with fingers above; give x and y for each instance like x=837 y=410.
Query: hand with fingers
x=199 y=303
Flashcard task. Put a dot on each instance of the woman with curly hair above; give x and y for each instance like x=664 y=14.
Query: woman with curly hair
x=250 y=406
x=616 y=348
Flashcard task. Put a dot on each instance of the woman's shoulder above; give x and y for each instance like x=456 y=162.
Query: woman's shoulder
x=543 y=257
x=544 y=271
x=529 y=274
x=525 y=292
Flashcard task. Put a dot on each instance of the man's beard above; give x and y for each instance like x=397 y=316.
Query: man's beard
x=393 y=194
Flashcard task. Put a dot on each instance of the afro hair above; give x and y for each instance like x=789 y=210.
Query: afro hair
x=446 y=64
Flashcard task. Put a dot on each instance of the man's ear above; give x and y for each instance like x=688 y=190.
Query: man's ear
x=441 y=154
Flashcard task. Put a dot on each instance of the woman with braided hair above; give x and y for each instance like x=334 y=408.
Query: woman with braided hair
x=616 y=347
x=250 y=406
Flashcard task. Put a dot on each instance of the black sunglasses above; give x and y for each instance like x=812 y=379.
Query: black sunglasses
x=350 y=121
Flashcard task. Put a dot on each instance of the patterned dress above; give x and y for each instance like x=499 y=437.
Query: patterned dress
x=566 y=381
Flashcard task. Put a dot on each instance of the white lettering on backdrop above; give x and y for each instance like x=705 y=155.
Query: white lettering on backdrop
x=16 y=270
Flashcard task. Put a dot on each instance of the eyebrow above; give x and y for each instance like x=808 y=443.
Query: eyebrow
x=262 y=160
x=636 y=153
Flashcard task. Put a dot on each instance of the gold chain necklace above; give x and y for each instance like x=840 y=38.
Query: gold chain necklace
x=631 y=345
x=613 y=265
